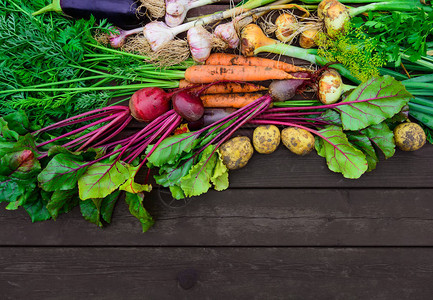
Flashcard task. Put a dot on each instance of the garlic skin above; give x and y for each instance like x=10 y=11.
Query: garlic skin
x=157 y=34
x=200 y=43
x=175 y=12
x=117 y=40
x=175 y=20
x=175 y=7
x=228 y=34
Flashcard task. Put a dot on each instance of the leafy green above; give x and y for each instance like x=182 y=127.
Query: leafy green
x=101 y=179
x=62 y=202
x=171 y=149
x=40 y=50
x=383 y=98
x=340 y=155
x=98 y=209
x=397 y=30
x=136 y=208
x=62 y=172
x=131 y=186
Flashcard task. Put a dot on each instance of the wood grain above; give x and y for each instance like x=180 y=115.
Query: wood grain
x=248 y=217
x=231 y=273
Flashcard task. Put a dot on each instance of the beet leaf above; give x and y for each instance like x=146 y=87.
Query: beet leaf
x=381 y=98
x=340 y=155
x=62 y=172
x=62 y=202
x=136 y=208
x=101 y=179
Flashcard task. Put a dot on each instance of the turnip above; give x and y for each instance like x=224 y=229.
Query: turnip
x=331 y=87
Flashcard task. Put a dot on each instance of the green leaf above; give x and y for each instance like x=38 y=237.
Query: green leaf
x=62 y=201
x=88 y=155
x=21 y=164
x=90 y=209
x=18 y=122
x=362 y=143
x=340 y=155
x=171 y=149
x=135 y=203
x=384 y=97
x=101 y=179
x=62 y=172
x=107 y=206
x=382 y=137
x=36 y=207
x=11 y=189
x=131 y=186
x=6 y=132
x=171 y=175
x=197 y=181
x=177 y=192
x=220 y=177
x=93 y=209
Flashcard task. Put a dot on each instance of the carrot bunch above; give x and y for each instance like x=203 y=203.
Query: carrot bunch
x=236 y=68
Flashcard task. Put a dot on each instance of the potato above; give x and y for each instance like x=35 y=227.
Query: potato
x=409 y=136
x=236 y=152
x=266 y=138
x=297 y=140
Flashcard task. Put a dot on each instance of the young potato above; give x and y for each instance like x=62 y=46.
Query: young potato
x=266 y=138
x=297 y=140
x=236 y=152
x=409 y=136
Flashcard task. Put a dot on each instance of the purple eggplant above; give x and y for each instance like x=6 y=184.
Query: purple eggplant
x=121 y=13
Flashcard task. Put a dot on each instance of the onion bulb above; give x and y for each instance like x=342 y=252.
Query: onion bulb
x=336 y=18
x=308 y=37
x=330 y=87
x=287 y=26
x=321 y=7
x=252 y=37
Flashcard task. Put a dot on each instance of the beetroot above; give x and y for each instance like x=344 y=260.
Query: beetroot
x=149 y=103
x=188 y=106
x=283 y=90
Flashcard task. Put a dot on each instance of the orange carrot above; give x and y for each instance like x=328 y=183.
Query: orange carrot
x=225 y=88
x=209 y=74
x=227 y=59
x=229 y=100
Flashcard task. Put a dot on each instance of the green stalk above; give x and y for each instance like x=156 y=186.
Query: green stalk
x=421 y=108
x=423 y=78
x=54 y=6
x=391 y=5
x=422 y=101
x=425 y=119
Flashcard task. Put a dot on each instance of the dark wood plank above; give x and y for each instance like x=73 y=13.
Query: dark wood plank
x=253 y=217
x=285 y=169
x=231 y=273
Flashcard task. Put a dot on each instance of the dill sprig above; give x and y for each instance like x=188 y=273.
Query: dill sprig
x=353 y=49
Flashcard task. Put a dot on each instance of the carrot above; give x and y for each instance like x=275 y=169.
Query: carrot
x=225 y=88
x=209 y=74
x=229 y=100
x=227 y=59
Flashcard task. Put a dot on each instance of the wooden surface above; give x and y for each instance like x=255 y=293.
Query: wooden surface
x=288 y=228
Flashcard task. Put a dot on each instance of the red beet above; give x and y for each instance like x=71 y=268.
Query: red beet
x=149 y=103
x=188 y=106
